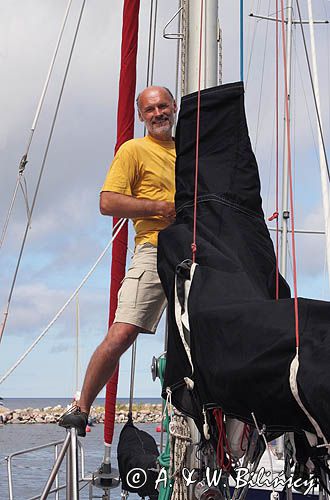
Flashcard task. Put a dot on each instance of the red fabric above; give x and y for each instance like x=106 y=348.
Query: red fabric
x=125 y=131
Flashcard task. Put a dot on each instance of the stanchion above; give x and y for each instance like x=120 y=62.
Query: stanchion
x=70 y=451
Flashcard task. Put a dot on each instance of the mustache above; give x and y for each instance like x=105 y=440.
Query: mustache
x=160 y=119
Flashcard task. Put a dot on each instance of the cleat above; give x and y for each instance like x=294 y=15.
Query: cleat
x=76 y=418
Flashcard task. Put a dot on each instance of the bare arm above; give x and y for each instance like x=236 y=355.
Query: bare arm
x=121 y=205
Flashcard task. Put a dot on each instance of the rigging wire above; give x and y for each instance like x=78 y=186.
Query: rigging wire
x=262 y=83
x=24 y=190
x=294 y=366
x=277 y=276
x=271 y=158
x=305 y=98
x=24 y=159
x=293 y=103
x=5 y=226
x=177 y=66
x=293 y=243
x=6 y=312
x=313 y=90
x=252 y=47
x=116 y=230
x=247 y=38
x=152 y=41
x=151 y=46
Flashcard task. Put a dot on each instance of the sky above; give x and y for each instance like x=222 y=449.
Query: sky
x=67 y=233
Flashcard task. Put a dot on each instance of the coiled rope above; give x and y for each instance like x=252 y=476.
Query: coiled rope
x=180 y=437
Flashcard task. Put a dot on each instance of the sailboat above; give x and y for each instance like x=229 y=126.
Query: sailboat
x=211 y=77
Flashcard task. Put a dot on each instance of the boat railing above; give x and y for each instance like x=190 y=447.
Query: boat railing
x=54 y=476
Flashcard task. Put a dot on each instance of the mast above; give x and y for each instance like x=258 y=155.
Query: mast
x=285 y=181
x=322 y=159
x=210 y=50
x=209 y=66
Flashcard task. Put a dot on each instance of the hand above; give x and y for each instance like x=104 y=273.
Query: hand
x=167 y=210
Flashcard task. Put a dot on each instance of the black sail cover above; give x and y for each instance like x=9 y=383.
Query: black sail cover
x=242 y=339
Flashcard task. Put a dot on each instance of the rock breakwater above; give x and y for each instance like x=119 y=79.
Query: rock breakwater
x=142 y=413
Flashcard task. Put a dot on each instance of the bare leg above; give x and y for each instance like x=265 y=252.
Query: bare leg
x=104 y=361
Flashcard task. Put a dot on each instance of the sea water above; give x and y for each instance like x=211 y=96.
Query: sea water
x=30 y=472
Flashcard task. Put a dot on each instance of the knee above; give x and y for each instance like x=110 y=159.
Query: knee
x=121 y=336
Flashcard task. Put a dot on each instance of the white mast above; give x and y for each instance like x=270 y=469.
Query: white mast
x=323 y=165
x=191 y=17
x=285 y=181
x=209 y=73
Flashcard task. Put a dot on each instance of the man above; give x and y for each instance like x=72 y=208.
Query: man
x=139 y=185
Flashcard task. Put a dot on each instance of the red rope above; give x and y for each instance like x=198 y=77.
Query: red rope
x=194 y=245
x=294 y=263
x=223 y=462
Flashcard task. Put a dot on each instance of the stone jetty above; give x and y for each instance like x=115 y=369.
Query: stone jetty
x=142 y=413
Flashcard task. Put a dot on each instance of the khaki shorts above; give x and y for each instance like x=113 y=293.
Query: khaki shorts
x=141 y=298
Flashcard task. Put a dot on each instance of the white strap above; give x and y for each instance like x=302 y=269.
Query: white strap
x=182 y=318
x=294 y=367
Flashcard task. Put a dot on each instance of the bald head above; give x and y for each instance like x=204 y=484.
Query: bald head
x=157 y=108
x=151 y=88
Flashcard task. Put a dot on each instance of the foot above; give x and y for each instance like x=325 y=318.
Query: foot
x=76 y=418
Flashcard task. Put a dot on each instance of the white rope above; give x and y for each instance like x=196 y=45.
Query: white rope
x=294 y=367
x=180 y=437
x=182 y=318
x=117 y=229
x=168 y=408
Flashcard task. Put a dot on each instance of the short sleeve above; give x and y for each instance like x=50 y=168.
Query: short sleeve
x=121 y=175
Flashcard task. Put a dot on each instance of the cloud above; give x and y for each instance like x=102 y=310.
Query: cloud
x=67 y=232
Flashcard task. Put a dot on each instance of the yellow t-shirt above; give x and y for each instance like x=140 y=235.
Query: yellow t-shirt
x=144 y=168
